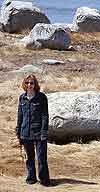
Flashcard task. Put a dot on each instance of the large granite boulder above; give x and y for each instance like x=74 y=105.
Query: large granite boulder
x=73 y=114
x=17 y=16
x=47 y=36
x=86 y=20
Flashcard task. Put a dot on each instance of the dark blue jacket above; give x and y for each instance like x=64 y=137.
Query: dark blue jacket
x=32 y=118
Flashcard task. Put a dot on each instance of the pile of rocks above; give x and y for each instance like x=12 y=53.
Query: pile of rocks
x=17 y=17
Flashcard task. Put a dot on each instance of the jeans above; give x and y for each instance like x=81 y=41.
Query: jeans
x=41 y=150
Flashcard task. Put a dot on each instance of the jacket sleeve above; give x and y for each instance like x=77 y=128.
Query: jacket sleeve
x=45 y=118
x=19 y=118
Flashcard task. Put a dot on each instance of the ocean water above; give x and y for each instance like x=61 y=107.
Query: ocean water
x=62 y=11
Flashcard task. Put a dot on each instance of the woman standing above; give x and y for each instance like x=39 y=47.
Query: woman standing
x=32 y=129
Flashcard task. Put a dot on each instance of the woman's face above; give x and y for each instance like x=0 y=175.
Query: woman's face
x=30 y=84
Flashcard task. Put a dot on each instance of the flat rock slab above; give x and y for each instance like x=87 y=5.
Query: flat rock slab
x=52 y=61
x=28 y=69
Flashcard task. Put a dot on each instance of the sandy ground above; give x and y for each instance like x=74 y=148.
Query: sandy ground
x=73 y=167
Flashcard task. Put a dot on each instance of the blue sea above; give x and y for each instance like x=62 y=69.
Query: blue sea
x=62 y=11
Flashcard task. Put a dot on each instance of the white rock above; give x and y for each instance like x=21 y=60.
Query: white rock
x=28 y=68
x=47 y=36
x=18 y=16
x=65 y=26
x=20 y=5
x=86 y=20
x=74 y=113
x=52 y=61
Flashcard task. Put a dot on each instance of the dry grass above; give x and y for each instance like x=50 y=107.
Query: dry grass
x=80 y=71
x=73 y=167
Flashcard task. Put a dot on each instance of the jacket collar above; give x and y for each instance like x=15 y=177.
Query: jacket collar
x=25 y=95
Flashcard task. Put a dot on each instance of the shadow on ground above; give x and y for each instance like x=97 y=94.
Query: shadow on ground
x=55 y=182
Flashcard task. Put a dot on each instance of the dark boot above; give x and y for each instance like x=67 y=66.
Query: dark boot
x=45 y=183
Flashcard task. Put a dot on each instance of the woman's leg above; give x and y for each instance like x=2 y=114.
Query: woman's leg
x=30 y=162
x=43 y=172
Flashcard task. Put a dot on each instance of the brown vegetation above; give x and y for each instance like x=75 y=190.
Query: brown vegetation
x=73 y=167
